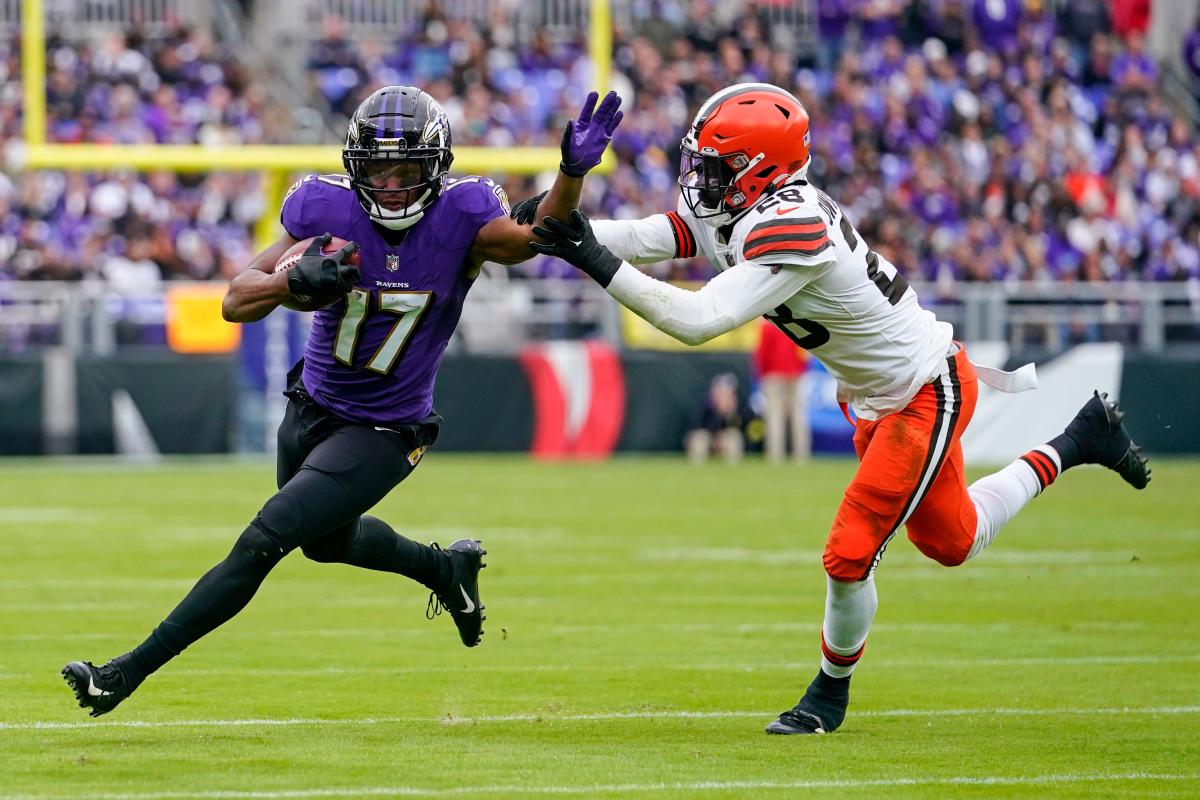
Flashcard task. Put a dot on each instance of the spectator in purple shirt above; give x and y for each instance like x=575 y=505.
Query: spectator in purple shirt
x=879 y=19
x=1191 y=56
x=996 y=23
x=833 y=18
x=1134 y=60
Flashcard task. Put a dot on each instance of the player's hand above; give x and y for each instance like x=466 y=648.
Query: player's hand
x=317 y=273
x=525 y=211
x=577 y=245
x=586 y=137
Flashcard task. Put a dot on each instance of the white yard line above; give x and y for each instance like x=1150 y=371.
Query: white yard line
x=630 y=788
x=597 y=717
x=924 y=663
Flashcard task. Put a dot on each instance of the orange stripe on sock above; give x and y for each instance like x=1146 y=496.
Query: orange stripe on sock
x=1038 y=470
x=1046 y=463
x=839 y=659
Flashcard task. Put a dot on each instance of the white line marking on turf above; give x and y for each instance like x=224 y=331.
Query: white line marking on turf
x=596 y=717
x=627 y=788
x=21 y=515
x=673 y=666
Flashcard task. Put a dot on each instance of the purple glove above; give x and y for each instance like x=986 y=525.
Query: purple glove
x=585 y=138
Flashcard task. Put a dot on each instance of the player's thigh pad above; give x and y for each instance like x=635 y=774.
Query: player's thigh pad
x=943 y=525
x=895 y=460
x=342 y=477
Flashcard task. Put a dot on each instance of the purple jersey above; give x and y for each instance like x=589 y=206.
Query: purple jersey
x=373 y=356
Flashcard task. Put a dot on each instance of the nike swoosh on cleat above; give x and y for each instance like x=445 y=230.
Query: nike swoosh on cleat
x=93 y=691
x=470 y=603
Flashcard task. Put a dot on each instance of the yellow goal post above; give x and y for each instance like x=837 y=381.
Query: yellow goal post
x=275 y=161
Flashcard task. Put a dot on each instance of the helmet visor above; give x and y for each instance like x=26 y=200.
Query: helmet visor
x=706 y=180
x=397 y=184
x=388 y=183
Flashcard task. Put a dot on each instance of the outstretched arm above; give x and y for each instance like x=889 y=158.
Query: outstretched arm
x=504 y=239
x=639 y=241
x=730 y=300
x=733 y=298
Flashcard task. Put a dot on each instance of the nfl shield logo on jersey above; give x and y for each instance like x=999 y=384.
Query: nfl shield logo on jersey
x=392 y=262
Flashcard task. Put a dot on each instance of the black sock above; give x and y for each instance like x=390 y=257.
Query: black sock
x=829 y=685
x=141 y=661
x=374 y=545
x=1068 y=451
x=215 y=599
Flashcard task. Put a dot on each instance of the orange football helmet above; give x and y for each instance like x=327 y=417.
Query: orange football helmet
x=746 y=141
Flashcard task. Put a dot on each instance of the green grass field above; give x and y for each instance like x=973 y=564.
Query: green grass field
x=645 y=620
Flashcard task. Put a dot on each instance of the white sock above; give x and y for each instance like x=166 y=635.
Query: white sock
x=999 y=496
x=849 y=609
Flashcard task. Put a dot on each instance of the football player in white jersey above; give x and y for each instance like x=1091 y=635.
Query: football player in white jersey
x=786 y=251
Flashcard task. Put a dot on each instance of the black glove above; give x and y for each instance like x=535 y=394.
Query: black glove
x=576 y=244
x=319 y=274
x=525 y=211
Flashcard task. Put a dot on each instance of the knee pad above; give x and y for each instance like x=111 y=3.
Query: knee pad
x=260 y=545
x=858 y=535
x=846 y=565
x=285 y=518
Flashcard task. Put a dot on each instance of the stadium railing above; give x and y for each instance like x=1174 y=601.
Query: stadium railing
x=103 y=16
x=504 y=314
x=366 y=20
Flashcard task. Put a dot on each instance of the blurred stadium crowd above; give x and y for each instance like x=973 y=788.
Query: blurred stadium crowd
x=971 y=140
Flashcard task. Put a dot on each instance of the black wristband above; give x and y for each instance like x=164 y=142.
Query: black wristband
x=602 y=266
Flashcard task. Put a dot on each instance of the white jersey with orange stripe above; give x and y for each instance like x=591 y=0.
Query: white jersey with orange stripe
x=796 y=259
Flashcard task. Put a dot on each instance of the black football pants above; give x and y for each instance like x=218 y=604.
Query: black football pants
x=329 y=472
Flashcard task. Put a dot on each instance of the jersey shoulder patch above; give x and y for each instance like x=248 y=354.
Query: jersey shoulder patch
x=792 y=235
x=787 y=226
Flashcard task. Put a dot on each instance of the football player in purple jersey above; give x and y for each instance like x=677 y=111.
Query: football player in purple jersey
x=360 y=402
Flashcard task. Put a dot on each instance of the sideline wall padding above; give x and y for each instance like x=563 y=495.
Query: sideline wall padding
x=20 y=406
x=487 y=405
x=1161 y=396
x=186 y=402
x=666 y=393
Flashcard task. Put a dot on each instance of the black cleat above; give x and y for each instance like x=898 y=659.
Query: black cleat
x=461 y=596
x=99 y=689
x=1100 y=435
x=821 y=710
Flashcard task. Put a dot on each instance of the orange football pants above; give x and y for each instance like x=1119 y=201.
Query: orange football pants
x=910 y=472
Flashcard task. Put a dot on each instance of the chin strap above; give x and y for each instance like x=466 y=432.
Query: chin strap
x=399 y=224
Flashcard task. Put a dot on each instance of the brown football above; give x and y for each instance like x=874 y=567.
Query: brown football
x=292 y=256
